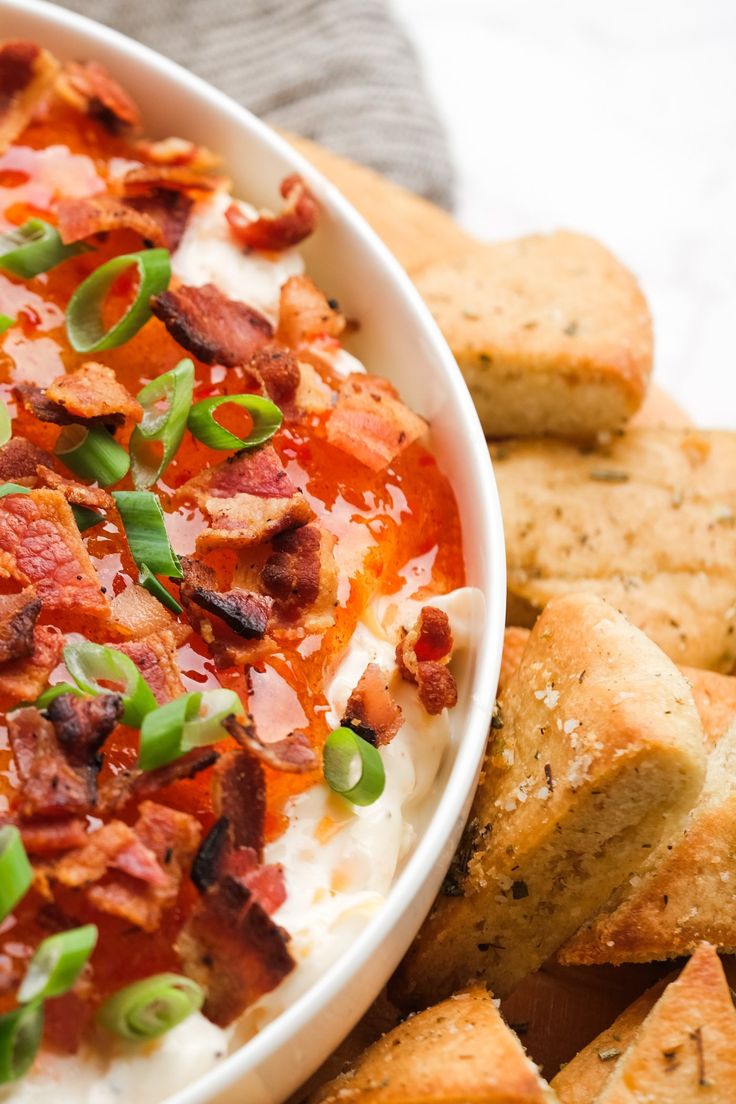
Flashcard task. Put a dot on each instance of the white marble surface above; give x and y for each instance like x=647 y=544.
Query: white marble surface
x=616 y=118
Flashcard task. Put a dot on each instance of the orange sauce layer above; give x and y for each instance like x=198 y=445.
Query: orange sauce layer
x=399 y=529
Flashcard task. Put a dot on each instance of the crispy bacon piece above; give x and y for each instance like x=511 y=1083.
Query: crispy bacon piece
x=116 y=790
x=305 y=312
x=42 y=545
x=371 y=711
x=155 y=658
x=249 y=498
x=92 y=393
x=50 y=785
x=18 y=617
x=278 y=371
x=294 y=754
x=77 y=493
x=133 y=873
x=24 y=679
x=239 y=797
x=239 y=616
x=83 y=724
x=422 y=656
x=159 y=217
x=371 y=423
x=34 y=400
x=136 y=613
x=177 y=151
x=26 y=73
x=88 y=87
x=274 y=233
x=231 y=947
x=301 y=574
x=19 y=460
x=173 y=178
x=46 y=838
x=215 y=329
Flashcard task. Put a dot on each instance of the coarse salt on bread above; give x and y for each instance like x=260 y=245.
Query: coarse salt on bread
x=459 y=1051
x=647 y=522
x=605 y=757
x=551 y=332
x=685 y=1051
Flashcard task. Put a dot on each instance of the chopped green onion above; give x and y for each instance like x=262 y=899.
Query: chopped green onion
x=145 y=529
x=13 y=488
x=35 y=247
x=149 y=1008
x=6 y=425
x=84 y=323
x=206 y=726
x=161 y=731
x=92 y=454
x=57 y=963
x=6 y=322
x=85 y=518
x=20 y=1038
x=265 y=415
x=15 y=870
x=87 y=663
x=154 y=586
x=192 y=720
x=44 y=700
x=155 y=440
x=353 y=767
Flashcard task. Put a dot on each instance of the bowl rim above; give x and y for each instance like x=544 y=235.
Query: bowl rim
x=454 y=801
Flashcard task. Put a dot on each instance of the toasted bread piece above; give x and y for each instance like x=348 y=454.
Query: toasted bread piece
x=684 y=892
x=647 y=522
x=515 y=640
x=685 y=1050
x=660 y=411
x=458 y=1051
x=584 y=1078
x=551 y=332
x=607 y=757
x=715 y=699
x=416 y=231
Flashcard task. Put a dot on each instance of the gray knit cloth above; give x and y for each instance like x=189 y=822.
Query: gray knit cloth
x=339 y=71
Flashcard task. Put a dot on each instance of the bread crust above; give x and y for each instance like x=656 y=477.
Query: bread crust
x=552 y=333
x=647 y=522
x=604 y=755
x=458 y=1051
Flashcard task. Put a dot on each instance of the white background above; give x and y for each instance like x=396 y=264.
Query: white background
x=616 y=118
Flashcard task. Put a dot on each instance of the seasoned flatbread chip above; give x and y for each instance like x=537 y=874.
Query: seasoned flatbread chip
x=647 y=522
x=458 y=1051
x=605 y=756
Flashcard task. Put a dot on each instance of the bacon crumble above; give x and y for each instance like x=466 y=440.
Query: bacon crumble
x=370 y=710
x=90 y=396
x=26 y=74
x=24 y=679
x=83 y=724
x=215 y=329
x=305 y=312
x=293 y=754
x=422 y=656
x=18 y=617
x=19 y=460
x=301 y=575
x=371 y=423
x=274 y=233
x=51 y=786
x=88 y=87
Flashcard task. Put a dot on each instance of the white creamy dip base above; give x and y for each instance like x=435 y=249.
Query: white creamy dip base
x=339 y=862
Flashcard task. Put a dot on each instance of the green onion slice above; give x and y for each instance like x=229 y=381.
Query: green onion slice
x=84 y=323
x=53 y=692
x=57 y=963
x=6 y=322
x=265 y=415
x=145 y=529
x=154 y=586
x=15 y=870
x=92 y=454
x=87 y=663
x=85 y=518
x=35 y=247
x=20 y=1038
x=192 y=720
x=149 y=1008
x=166 y=401
x=13 y=488
x=353 y=767
x=6 y=425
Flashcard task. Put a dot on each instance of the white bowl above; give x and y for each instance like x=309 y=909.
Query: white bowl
x=400 y=340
